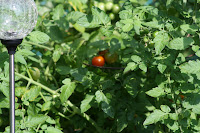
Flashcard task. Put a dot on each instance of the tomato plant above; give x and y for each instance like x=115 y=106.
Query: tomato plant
x=151 y=85
x=98 y=61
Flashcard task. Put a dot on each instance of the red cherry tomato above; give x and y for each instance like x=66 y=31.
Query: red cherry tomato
x=98 y=61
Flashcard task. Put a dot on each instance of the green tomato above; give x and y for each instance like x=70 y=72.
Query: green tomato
x=145 y=39
x=115 y=8
x=110 y=58
x=112 y=16
x=151 y=44
x=35 y=73
x=155 y=33
x=101 y=6
x=109 y=6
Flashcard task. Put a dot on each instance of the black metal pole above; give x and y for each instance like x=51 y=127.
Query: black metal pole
x=11 y=45
x=12 y=94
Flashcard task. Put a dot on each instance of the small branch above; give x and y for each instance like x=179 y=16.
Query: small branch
x=75 y=108
x=42 y=46
x=113 y=68
x=36 y=83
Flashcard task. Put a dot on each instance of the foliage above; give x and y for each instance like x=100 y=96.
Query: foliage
x=151 y=88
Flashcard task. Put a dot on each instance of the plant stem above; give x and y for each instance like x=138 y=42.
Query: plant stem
x=42 y=46
x=36 y=83
x=76 y=109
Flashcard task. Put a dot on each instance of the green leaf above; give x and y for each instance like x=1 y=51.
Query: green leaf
x=26 y=52
x=130 y=66
x=33 y=121
x=73 y=16
x=143 y=67
x=3 y=57
x=20 y=91
x=121 y=122
x=101 y=15
x=114 y=45
x=191 y=67
x=31 y=94
x=63 y=70
x=4 y=103
x=153 y=24
x=192 y=101
x=198 y=53
x=173 y=125
x=131 y=85
x=161 y=40
x=89 y=21
x=19 y=58
x=100 y=97
x=53 y=130
x=165 y=108
x=46 y=106
x=58 y=12
x=136 y=58
x=67 y=90
x=181 y=43
x=108 y=109
x=127 y=27
x=137 y=25
x=154 y=117
x=191 y=29
x=85 y=104
x=168 y=3
x=56 y=55
x=161 y=67
x=173 y=116
x=38 y=37
x=156 y=92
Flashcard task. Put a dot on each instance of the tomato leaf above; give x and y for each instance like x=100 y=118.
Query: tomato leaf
x=156 y=92
x=181 y=43
x=154 y=117
x=85 y=104
x=67 y=90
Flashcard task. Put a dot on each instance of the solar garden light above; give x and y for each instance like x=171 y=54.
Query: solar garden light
x=17 y=20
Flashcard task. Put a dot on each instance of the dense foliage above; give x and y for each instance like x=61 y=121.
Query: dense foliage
x=151 y=84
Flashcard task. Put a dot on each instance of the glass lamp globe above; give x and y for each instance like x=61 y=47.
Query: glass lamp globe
x=17 y=18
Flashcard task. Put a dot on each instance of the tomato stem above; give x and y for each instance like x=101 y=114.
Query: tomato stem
x=42 y=46
x=75 y=109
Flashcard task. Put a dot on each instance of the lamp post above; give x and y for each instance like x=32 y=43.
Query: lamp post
x=17 y=20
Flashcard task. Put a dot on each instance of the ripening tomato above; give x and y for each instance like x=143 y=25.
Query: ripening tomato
x=182 y=96
x=35 y=73
x=98 y=61
x=111 y=58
